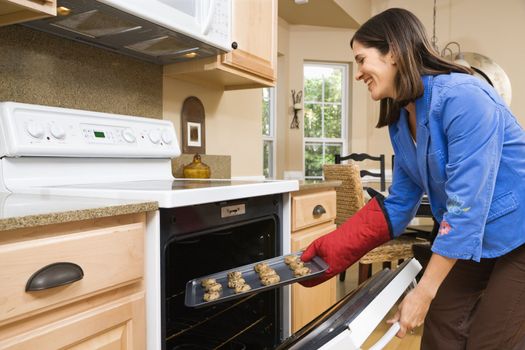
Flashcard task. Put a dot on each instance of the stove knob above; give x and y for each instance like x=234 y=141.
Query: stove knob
x=35 y=129
x=57 y=131
x=166 y=137
x=129 y=136
x=154 y=136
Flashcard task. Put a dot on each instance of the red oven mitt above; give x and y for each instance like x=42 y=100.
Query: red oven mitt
x=367 y=229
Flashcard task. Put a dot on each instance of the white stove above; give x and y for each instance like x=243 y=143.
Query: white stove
x=67 y=152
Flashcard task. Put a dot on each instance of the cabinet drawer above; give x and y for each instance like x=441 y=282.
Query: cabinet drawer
x=116 y=325
x=313 y=208
x=109 y=257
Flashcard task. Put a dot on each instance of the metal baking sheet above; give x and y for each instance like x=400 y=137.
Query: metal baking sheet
x=195 y=291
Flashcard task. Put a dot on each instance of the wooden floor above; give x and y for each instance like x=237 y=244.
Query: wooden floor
x=410 y=342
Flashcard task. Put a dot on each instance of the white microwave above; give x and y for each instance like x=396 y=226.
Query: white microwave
x=158 y=31
x=208 y=21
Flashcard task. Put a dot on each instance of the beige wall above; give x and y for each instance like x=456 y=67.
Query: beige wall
x=308 y=43
x=233 y=122
x=491 y=28
x=473 y=23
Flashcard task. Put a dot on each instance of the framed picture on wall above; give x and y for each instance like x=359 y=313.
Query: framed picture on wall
x=193 y=127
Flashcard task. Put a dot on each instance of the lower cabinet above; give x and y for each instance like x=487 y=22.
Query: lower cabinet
x=313 y=215
x=115 y=325
x=101 y=308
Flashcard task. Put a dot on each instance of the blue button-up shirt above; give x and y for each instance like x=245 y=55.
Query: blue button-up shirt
x=470 y=160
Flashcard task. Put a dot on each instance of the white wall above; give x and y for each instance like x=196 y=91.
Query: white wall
x=491 y=28
x=233 y=122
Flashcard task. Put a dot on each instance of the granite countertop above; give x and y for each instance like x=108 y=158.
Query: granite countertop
x=27 y=210
x=318 y=184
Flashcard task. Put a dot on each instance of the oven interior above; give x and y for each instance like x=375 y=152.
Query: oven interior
x=197 y=241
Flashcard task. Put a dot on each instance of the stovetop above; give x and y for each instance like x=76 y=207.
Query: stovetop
x=172 y=193
x=164 y=185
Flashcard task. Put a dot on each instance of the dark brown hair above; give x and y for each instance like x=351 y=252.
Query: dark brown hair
x=401 y=32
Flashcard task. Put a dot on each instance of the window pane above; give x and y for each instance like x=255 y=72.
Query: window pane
x=333 y=85
x=331 y=149
x=313 y=82
x=312 y=120
x=332 y=121
x=313 y=159
x=268 y=159
x=266 y=112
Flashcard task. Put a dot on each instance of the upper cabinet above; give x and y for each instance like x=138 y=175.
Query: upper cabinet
x=16 y=11
x=253 y=61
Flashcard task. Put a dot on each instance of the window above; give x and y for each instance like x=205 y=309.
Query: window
x=325 y=110
x=268 y=132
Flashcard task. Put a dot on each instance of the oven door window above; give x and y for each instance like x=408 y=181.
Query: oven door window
x=248 y=323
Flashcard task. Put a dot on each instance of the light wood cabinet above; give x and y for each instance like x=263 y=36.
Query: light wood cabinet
x=16 y=11
x=105 y=309
x=253 y=64
x=313 y=215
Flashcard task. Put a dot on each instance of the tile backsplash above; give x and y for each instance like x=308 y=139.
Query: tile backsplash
x=40 y=68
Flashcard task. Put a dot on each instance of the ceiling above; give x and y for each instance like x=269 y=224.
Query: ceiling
x=326 y=13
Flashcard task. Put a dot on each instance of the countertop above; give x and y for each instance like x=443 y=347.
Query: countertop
x=27 y=210
x=305 y=185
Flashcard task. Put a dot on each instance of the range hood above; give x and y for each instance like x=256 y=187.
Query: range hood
x=100 y=23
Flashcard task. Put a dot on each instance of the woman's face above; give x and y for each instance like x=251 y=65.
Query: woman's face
x=377 y=71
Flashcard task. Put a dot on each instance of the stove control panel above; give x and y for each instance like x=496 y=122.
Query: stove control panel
x=33 y=130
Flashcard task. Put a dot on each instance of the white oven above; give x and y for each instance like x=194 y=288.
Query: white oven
x=58 y=151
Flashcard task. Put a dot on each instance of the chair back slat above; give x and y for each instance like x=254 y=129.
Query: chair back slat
x=359 y=157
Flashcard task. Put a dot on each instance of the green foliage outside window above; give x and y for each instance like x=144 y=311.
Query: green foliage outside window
x=323 y=116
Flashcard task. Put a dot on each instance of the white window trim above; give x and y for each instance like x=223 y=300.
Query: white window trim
x=273 y=131
x=344 y=113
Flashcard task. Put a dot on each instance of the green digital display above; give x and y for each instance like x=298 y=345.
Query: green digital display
x=100 y=134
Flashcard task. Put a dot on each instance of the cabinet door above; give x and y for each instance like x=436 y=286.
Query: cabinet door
x=16 y=11
x=116 y=325
x=254 y=31
x=308 y=303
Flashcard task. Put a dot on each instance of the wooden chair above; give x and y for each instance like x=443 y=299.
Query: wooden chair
x=349 y=196
x=359 y=157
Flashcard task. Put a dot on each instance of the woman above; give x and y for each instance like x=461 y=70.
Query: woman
x=456 y=140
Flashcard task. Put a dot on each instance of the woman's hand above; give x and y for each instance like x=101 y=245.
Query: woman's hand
x=412 y=310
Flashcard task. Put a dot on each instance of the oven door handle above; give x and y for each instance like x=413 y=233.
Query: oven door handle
x=386 y=338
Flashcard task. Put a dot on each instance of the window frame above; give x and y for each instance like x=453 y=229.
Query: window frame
x=344 y=114
x=273 y=126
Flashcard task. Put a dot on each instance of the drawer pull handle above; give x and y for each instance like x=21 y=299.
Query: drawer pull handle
x=318 y=210
x=54 y=275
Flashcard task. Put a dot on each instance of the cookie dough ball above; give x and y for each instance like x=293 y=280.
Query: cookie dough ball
x=302 y=271
x=267 y=273
x=270 y=280
x=296 y=264
x=235 y=283
x=208 y=281
x=234 y=275
x=212 y=288
x=211 y=296
x=261 y=267
x=290 y=259
x=242 y=288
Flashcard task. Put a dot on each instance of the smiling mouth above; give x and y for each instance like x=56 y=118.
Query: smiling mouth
x=368 y=82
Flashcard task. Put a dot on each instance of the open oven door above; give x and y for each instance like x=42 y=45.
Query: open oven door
x=348 y=323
